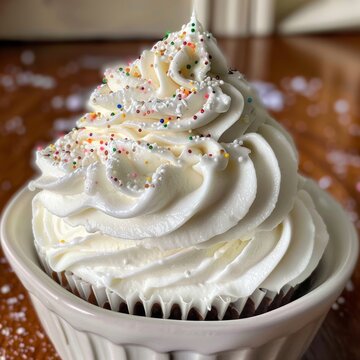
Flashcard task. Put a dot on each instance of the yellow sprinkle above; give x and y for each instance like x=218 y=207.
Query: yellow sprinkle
x=62 y=241
x=146 y=162
x=123 y=116
x=148 y=178
x=226 y=155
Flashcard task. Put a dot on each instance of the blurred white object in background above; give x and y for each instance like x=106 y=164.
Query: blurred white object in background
x=115 y=19
x=90 y=19
x=262 y=17
x=323 y=15
x=230 y=17
x=243 y=17
x=202 y=9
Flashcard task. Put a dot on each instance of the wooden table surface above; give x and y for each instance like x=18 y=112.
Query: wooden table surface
x=310 y=84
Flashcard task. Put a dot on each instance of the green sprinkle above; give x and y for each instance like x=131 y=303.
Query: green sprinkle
x=196 y=62
x=150 y=147
x=193 y=24
x=190 y=137
x=120 y=69
x=74 y=162
x=165 y=126
x=249 y=99
x=112 y=114
x=188 y=66
x=127 y=74
x=192 y=30
x=172 y=43
x=104 y=81
x=114 y=149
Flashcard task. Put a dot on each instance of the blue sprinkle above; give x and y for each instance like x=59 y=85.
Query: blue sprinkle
x=119 y=106
x=162 y=120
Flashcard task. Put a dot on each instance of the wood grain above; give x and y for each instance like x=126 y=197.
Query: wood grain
x=312 y=85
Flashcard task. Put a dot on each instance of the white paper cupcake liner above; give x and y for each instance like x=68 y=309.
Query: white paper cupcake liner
x=259 y=302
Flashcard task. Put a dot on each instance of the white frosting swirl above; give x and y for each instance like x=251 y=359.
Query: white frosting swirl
x=178 y=184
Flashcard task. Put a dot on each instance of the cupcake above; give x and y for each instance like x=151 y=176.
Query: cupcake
x=177 y=196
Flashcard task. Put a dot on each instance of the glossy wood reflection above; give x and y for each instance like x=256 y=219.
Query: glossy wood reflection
x=310 y=84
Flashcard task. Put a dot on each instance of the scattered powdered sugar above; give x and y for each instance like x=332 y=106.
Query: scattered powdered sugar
x=300 y=85
x=11 y=82
x=325 y=182
x=340 y=160
x=57 y=102
x=341 y=300
x=21 y=337
x=18 y=315
x=27 y=57
x=276 y=99
x=14 y=125
x=350 y=286
x=64 y=124
x=29 y=78
x=5 y=289
x=39 y=334
x=74 y=102
x=20 y=331
x=272 y=98
x=12 y=300
x=341 y=106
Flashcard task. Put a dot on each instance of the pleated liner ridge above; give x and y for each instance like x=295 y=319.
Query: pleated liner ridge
x=261 y=301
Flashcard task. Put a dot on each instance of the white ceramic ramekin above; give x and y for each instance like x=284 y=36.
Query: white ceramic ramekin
x=81 y=331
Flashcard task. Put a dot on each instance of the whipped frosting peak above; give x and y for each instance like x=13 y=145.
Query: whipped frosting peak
x=181 y=84
x=178 y=163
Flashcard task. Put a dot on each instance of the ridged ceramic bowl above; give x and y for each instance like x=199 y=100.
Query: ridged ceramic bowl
x=82 y=331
